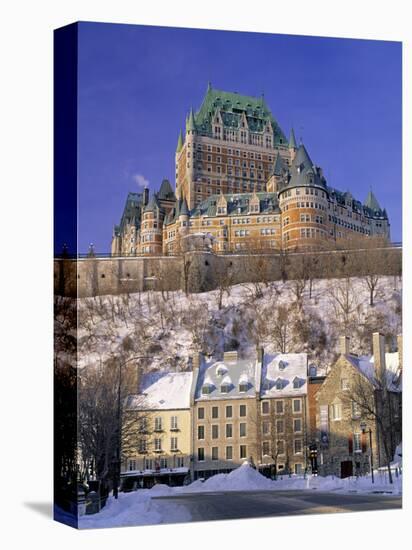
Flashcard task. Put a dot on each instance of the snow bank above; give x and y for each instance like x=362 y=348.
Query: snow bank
x=137 y=508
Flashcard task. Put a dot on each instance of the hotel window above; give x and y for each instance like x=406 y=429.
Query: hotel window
x=242 y=451
x=297 y=405
x=336 y=411
x=266 y=428
x=132 y=465
x=242 y=410
x=265 y=407
x=297 y=446
x=344 y=384
x=179 y=462
x=200 y=413
x=173 y=423
x=215 y=431
x=148 y=464
x=142 y=446
x=297 y=425
x=279 y=426
x=229 y=411
x=173 y=444
x=158 y=444
x=215 y=453
x=229 y=453
x=242 y=429
x=229 y=430
x=200 y=432
x=279 y=407
x=200 y=454
x=265 y=448
x=215 y=412
x=158 y=424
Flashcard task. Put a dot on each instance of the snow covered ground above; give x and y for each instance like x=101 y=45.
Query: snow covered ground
x=140 y=508
x=166 y=326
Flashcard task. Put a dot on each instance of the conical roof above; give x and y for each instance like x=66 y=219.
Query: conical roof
x=166 y=191
x=191 y=122
x=179 y=142
x=183 y=209
x=292 y=140
x=278 y=166
x=152 y=205
x=371 y=201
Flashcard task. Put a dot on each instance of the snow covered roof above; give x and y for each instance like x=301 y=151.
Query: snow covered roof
x=366 y=365
x=234 y=372
x=279 y=371
x=163 y=391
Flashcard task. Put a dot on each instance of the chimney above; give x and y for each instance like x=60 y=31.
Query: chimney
x=145 y=196
x=259 y=354
x=230 y=356
x=196 y=360
x=400 y=351
x=344 y=343
x=378 y=347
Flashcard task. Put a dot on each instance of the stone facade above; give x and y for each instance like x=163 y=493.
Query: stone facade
x=343 y=443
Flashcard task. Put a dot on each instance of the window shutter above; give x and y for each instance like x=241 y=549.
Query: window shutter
x=363 y=442
x=350 y=444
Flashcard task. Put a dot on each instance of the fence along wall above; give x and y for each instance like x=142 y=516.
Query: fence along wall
x=204 y=271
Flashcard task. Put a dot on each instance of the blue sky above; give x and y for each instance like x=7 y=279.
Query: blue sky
x=136 y=84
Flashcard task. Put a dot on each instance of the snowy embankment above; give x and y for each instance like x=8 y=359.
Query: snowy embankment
x=142 y=508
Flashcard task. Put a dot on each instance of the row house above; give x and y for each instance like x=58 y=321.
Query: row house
x=156 y=431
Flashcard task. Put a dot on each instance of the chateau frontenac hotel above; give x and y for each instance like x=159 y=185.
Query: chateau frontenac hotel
x=242 y=184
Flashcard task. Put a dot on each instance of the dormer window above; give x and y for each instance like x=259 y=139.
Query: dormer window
x=282 y=365
x=206 y=389
x=243 y=387
x=296 y=383
x=225 y=388
x=279 y=384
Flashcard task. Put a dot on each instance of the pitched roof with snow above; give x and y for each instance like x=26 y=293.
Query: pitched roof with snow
x=365 y=365
x=279 y=372
x=163 y=391
x=227 y=373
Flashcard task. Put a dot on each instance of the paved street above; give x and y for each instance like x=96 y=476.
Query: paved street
x=254 y=504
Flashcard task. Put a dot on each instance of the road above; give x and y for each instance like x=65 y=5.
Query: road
x=255 y=504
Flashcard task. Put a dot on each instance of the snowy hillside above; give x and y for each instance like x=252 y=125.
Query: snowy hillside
x=169 y=326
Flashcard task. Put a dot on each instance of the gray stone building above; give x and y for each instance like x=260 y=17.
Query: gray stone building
x=360 y=401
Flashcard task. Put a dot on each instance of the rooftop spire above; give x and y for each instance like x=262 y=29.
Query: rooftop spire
x=371 y=201
x=179 y=142
x=191 y=122
x=278 y=166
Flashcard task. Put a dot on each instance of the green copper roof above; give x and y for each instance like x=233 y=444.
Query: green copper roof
x=152 y=204
x=183 y=209
x=279 y=166
x=166 y=191
x=237 y=204
x=231 y=106
x=303 y=172
x=179 y=142
x=292 y=140
x=191 y=125
x=371 y=202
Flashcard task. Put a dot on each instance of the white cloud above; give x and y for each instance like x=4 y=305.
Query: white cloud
x=140 y=180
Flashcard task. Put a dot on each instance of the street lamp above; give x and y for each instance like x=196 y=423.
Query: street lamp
x=364 y=430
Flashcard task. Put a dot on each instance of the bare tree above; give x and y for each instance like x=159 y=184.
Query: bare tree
x=380 y=406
